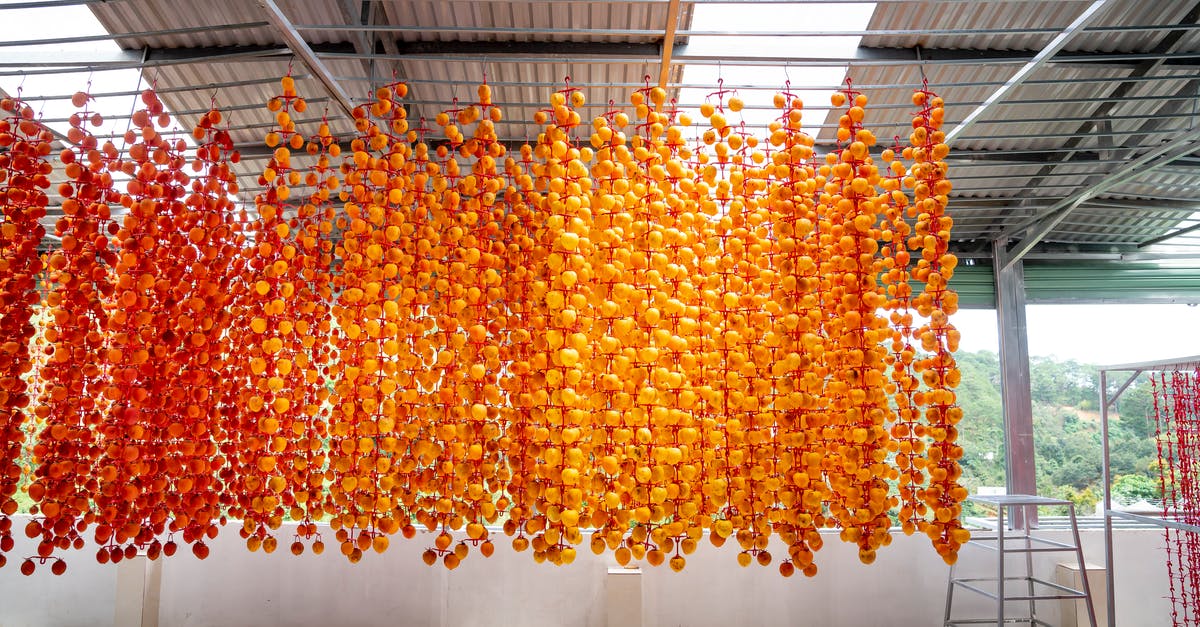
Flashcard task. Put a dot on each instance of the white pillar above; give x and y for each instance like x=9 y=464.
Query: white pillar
x=623 y=597
x=139 y=582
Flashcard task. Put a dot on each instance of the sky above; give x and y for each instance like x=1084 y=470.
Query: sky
x=66 y=21
x=810 y=84
x=1097 y=334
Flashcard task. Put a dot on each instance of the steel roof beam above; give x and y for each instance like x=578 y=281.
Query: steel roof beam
x=761 y=87
x=1119 y=203
x=647 y=32
x=1016 y=156
x=650 y=52
x=558 y=50
x=1167 y=45
x=905 y=106
x=1181 y=146
x=1093 y=11
x=141 y=34
x=986 y=56
x=61 y=62
x=202 y=54
x=169 y=90
x=1162 y=238
x=299 y=47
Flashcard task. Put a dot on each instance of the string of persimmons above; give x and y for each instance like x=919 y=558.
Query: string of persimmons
x=633 y=333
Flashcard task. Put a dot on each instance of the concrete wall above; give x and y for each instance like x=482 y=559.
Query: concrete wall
x=906 y=586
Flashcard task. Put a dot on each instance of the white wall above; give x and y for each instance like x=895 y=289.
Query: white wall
x=906 y=586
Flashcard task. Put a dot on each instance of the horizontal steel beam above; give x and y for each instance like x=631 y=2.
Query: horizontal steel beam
x=110 y=36
x=976 y=56
x=555 y=51
x=1182 y=145
x=251 y=151
x=729 y=84
x=170 y=56
x=572 y=49
x=643 y=32
x=1083 y=251
x=67 y=61
x=875 y=106
x=169 y=90
x=1018 y=156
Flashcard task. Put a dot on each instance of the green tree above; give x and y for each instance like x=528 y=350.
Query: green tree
x=1066 y=428
x=1136 y=409
x=1131 y=488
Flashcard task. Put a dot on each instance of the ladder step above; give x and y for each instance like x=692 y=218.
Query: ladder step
x=1020 y=541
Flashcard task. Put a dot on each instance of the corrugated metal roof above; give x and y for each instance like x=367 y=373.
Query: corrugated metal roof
x=151 y=15
x=1016 y=15
x=442 y=20
x=1086 y=112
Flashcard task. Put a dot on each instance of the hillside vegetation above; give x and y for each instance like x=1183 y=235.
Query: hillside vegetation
x=1066 y=426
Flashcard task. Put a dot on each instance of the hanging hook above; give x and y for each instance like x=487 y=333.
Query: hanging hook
x=921 y=68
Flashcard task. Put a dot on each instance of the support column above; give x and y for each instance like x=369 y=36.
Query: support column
x=623 y=597
x=139 y=583
x=1020 y=470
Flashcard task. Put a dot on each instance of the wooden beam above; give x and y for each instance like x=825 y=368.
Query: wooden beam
x=668 y=43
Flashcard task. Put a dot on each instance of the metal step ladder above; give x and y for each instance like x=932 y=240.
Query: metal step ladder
x=1007 y=587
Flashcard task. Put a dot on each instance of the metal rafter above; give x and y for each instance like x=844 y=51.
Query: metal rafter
x=1095 y=10
x=647 y=32
x=1179 y=147
x=1169 y=43
x=651 y=52
x=301 y=49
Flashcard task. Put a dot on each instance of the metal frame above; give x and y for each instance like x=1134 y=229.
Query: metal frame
x=1169 y=43
x=1136 y=369
x=641 y=32
x=299 y=47
x=1087 y=16
x=1181 y=146
x=1020 y=506
x=1015 y=392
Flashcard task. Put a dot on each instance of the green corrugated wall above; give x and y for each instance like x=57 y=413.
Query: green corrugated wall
x=1084 y=282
